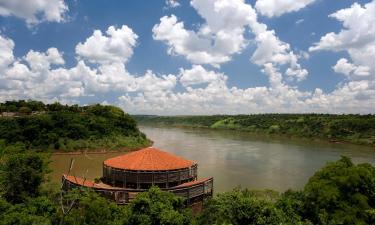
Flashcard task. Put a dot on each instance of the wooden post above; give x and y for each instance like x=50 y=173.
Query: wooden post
x=113 y=176
x=125 y=178
x=196 y=171
x=167 y=186
x=188 y=196
x=138 y=186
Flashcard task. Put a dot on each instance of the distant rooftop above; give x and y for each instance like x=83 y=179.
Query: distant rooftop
x=148 y=159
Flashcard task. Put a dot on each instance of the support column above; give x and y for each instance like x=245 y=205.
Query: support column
x=138 y=185
x=167 y=185
x=125 y=178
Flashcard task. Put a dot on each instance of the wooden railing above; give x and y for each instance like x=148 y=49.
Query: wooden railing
x=198 y=190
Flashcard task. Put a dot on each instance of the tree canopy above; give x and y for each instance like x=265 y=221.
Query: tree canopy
x=356 y=129
x=64 y=127
x=341 y=193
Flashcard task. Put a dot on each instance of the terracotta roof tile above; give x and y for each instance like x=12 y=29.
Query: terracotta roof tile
x=87 y=183
x=148 y=159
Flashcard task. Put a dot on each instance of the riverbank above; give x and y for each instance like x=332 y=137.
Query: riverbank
x=339 y=129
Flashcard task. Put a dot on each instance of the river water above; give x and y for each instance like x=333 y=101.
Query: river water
x=233 y=158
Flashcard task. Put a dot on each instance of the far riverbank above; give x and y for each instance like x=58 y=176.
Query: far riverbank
x=338 y=129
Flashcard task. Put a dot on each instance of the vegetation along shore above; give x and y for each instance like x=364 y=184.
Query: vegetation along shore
x=33 y=125
x=354 y=129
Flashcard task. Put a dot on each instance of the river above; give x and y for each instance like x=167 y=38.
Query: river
x=233 y=158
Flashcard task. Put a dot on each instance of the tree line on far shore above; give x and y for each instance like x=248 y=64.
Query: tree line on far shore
x=352 y=128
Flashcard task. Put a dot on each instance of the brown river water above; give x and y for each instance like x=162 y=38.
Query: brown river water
x=232 y=158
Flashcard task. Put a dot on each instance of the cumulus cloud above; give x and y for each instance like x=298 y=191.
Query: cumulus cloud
x=172 y=3
x=345 y=67
x=41 y=61
x=222 y=36
x=198 y=75
x=6 y=50
x=42 y=75
x=274 y=8
x=34 y=12
x=191 y=90
x=357 y=36
x=117 y=46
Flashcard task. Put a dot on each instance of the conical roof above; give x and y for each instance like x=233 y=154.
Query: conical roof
x=148 y=159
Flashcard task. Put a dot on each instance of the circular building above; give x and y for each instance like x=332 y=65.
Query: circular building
x=127 y=175
x=146 y=167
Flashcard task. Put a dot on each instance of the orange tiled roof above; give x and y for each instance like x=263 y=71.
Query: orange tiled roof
x=87 y=183
x=148 y=159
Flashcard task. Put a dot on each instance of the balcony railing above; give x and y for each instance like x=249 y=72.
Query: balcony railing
x=191 y=191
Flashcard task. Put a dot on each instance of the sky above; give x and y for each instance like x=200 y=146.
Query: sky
x=180 y=57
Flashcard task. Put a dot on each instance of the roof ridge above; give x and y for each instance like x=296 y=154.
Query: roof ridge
x=149 y=158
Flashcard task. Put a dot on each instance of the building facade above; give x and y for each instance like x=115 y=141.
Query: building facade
x=127 y=175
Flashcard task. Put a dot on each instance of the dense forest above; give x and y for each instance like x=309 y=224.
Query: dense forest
x=38 y=126
x=356 y=129
x=340 y=193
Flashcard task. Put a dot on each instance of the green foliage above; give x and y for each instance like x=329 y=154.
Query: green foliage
x=357 y=129
x=93 y=209
x=341 y=193
x=240 y=207
x=292 y=203
x=65 y=127
x=26 y=214
x=158 y=207
x=21 y=176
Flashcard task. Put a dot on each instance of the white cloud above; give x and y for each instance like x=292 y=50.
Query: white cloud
x=274 y=8
x=192 y=90
x=222 y=35
x=198 y=75
x=34 y=12
x=117 y=46
x=357 y=37
x=270 y=49
x=42 y=75
x=349 y=69
x=42 y=61
x=216 y=96
x=298 y=22
x=6 y=50
x=32 y=76
x=172 y=3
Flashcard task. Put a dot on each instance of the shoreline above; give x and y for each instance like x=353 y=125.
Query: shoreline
x=92 y=152
x=263 y=134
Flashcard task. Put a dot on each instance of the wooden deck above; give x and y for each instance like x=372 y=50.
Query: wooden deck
x=192 y=191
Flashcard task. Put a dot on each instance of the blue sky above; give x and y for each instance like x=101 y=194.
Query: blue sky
x=209 y=65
